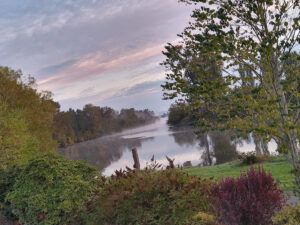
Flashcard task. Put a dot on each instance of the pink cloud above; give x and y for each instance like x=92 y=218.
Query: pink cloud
x=94 y=64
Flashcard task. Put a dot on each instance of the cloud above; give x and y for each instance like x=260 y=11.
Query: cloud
x=91 y=65
x=103 y=46
x=143 y=95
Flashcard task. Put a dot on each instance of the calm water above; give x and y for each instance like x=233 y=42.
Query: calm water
x=112 y=152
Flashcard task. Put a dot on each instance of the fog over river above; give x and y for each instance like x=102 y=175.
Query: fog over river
x=112 y=152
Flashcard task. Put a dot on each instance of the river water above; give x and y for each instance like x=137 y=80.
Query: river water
x=113 y=152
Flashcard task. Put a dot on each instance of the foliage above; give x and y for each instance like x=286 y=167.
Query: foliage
x=150 y=197
x=178 y=115
x=7 y=180
x=252 y=198
x=17 y=145
x=51 y=190
x=252 y=45
x=93 y=121
x=204 y=218
x=290 y=215
x=250 y=158
x=37 y=108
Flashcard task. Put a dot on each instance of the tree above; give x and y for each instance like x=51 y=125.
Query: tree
x=178 y=115
x=16 y=143
x=38 y=109
x=257 y=36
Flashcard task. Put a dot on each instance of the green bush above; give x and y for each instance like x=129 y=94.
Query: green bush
x=51 y=190
x=150 y=197
x=7 y=180
x=290 y=215
x=250 y=158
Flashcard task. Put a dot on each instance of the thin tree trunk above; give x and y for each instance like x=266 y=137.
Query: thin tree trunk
x=206 y=143
x=294 y=156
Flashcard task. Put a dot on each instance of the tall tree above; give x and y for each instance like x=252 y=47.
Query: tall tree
x=38 y=108
x=17 y=145
x=257 y=36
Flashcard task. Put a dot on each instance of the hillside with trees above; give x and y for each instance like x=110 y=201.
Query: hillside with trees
x=26 y=118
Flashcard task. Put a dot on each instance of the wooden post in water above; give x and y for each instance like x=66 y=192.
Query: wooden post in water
x=136 y=159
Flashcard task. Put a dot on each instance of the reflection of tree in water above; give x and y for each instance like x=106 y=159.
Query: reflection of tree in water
x=101 y=152
x=218 y=147
x=184 y=136
x=224 y=149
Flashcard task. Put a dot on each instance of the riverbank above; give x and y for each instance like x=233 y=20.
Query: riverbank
x=278 y=166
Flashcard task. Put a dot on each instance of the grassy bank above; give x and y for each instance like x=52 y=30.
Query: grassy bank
x=278 y=166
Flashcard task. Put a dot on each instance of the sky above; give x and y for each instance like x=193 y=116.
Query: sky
x=104 y=52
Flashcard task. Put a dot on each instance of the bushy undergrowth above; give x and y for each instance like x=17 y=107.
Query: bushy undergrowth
x=252 y=198
x=7 y=180
x=151 y=197
x=290 y=215
x=250 y=158
x=51 y=190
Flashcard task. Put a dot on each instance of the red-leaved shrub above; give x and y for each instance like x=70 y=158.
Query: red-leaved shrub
x=251 y=199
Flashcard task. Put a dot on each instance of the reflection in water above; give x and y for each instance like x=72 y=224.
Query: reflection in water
x=101 y=152
x=224 y=149
x=111 y=152
x=184 y=136
x=216 y=147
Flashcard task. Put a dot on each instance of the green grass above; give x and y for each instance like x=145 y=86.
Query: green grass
x=278 y=166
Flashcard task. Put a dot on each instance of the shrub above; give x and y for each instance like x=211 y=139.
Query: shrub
x=51 y=190
x=290 y=215
x=204 y=219
x=252 y=198
x=250 y=158
x=151 y=197
x=7 y=180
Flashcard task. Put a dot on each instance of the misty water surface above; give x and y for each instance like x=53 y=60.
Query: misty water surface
x=112 y=152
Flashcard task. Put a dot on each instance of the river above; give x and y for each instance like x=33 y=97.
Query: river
x=113 y=152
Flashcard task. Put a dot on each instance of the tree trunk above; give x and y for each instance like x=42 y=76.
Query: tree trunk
x=294 y=150
x=206 y=143
x=261 y=147
x=289 y=136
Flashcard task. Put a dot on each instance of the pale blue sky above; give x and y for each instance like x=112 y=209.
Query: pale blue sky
x=104 y=52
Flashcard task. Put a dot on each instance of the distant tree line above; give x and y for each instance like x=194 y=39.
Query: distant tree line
x=93 y=121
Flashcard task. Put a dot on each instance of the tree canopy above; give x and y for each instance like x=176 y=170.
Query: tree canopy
x=38 y=109
x=253 y=45
x=17 y=145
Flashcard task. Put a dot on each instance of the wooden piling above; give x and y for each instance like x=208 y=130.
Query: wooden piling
x=136 y=159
